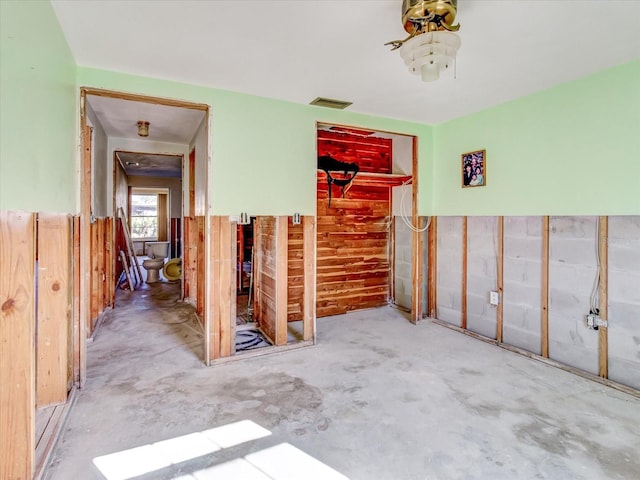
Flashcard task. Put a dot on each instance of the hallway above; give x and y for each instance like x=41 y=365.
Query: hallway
x=377 y=398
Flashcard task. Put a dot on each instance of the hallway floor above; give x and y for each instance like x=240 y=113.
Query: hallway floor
x=377 y=398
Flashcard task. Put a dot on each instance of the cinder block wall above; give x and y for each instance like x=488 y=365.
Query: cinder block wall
x=402 y=264
x=572 y=270
x=522 y=282
x=624 y=300
x=482 y=241
x=449 y=276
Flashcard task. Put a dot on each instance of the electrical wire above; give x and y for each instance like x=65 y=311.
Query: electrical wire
x=594 y=299
x=404 y=215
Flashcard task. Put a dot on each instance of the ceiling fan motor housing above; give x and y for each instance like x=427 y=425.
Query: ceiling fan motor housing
x=421 y=16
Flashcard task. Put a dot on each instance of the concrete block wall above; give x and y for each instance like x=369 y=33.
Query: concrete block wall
x=624 y=300
x=402 y=264
x=522 y=279
x=572 y=270
x=482 y=267
x=449 y=275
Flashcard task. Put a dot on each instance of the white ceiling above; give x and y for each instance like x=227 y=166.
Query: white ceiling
x=119 y=118
x=299 y=50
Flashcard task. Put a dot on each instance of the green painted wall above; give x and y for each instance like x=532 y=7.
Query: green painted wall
x=38 y=110
x=571 y=150
x=263 y=150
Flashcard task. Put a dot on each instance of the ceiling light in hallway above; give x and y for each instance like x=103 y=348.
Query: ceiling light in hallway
x=143 y=128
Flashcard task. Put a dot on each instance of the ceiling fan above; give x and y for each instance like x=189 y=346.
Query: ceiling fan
x=432 y=45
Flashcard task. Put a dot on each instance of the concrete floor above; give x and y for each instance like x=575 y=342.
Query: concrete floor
x=377 y=398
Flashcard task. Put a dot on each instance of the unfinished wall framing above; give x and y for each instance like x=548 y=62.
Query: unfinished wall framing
x=39 y=332
x=545 y=269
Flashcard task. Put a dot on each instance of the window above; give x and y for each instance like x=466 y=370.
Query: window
x=144 y=216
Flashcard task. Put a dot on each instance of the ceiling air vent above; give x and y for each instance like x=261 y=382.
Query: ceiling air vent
x=330 y=103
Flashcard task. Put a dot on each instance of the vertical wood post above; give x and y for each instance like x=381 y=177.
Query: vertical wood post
x=309 y=261
x=100 y=252
x=256 y=269
x=282 y=289
x=500 y=275
x=544 y=310
x=463 y=300
x=392 y=254
x=94 y=278
x=433 y=267
x=54 y=308
x=417 y=274
x=200 y=265
x=85 y=243
x=212 y=321
x=78 y=337
x=603 y=333
x=17 y=352
x=227 y=293
x=111 y=246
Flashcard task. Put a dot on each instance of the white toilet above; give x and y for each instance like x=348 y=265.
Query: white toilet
x=157 y=252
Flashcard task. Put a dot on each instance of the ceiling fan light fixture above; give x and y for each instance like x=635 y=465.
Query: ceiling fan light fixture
x=432 y=46
x=431 y=54
x=143 y=128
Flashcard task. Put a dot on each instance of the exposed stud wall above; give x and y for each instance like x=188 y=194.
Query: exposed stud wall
x=572 y=270
x=449 y=264
x=481 y=274
x=624 y=300
x=522 y=280
x=295 y=272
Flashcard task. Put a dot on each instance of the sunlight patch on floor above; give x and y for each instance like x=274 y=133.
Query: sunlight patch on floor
x=282 y=462
x=149 y=458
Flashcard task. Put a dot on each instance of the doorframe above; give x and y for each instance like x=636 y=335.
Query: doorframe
x=86 y=191
x=417 y=242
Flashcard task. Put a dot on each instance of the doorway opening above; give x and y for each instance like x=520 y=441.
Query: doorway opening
x=150 y=185
x=370 y=238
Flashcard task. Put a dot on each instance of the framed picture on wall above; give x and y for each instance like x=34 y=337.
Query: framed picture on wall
x=474 y=169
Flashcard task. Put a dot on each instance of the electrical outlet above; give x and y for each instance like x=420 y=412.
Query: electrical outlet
x=594 y=321
x=494 y=298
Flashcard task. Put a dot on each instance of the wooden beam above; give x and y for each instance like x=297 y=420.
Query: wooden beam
x=392 y=258
x=94 y=279
x=256 y=270
x=500 y=274
x=54 y=308
x=227 y=286
x=282 y=284
x=417 y=273
x=417 y=246
x=134 y=97
x=212 y=321
x=111 y=275
x=100 y=253
x=200 y=266
x=544 y=308
x=85 y=239
x=77 y=336
x=463 y=319
x=603 y=297
x=433 y=268
x=309 y=260
x=17 y=344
